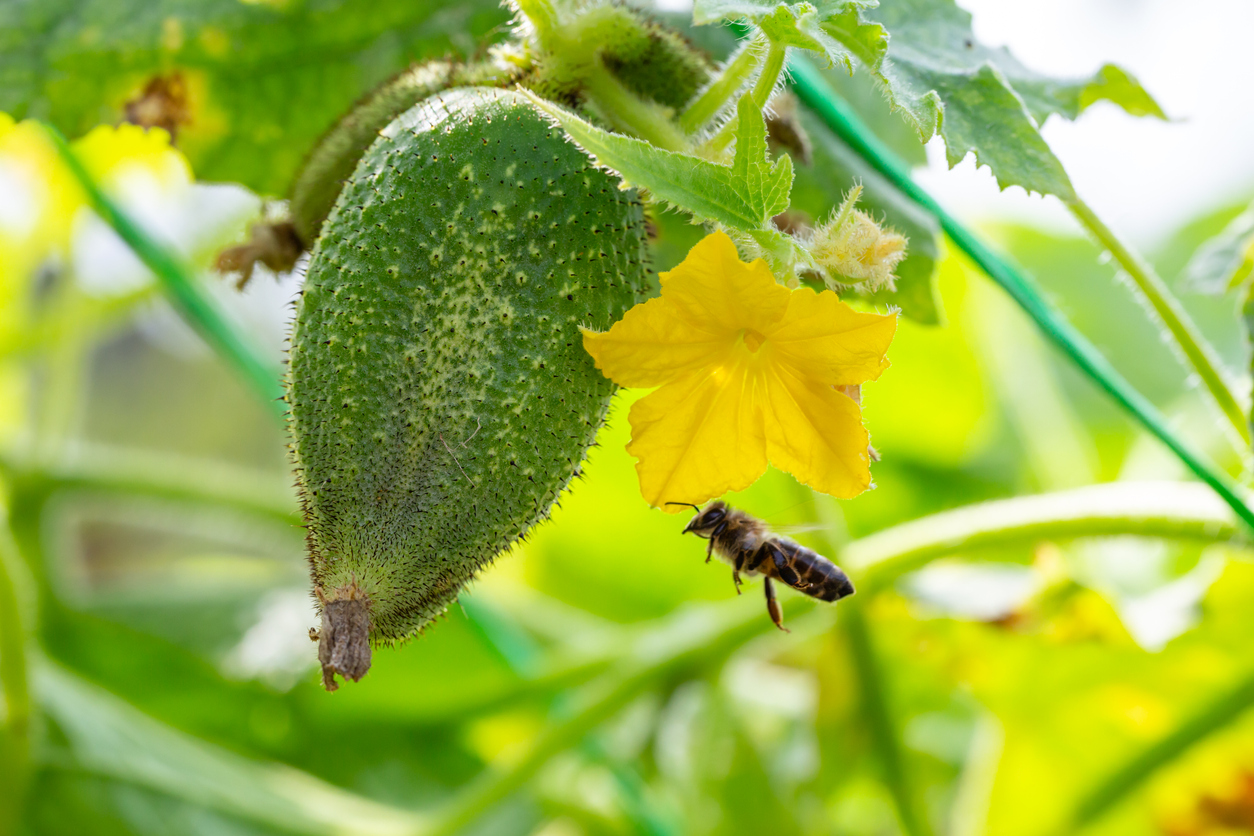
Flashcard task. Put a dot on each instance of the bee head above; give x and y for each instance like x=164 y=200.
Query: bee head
x=707 y=518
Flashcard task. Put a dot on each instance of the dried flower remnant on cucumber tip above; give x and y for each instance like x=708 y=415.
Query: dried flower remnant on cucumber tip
x=344 y=639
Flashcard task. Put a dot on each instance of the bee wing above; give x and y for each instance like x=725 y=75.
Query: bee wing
x=803 y=528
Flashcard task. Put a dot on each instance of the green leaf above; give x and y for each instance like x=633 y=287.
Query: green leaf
x=1114 y=84
x=799 y=26
x=984 y=116
x=834 y=28
x=743 y=196
x=264 y=80
x=983 y=100
x=764 y=187
x=107 y=738
x=1225 y=261
x=70 y=804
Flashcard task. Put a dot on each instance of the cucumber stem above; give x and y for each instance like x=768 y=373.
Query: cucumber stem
x=541 y=15
x=628 y=113
x=1200 y=354
x=728 y=82
x=776 y=58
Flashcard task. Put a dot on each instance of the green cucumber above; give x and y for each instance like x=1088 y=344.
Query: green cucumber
x=440 y=396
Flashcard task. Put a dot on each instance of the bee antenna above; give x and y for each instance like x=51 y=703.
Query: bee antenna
x=696 y=508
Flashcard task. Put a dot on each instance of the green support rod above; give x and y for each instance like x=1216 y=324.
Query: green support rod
x=845 y=123
x=195 y=306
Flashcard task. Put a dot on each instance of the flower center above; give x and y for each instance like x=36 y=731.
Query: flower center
x=753 y=340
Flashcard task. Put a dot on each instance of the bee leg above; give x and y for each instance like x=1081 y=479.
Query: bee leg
x=718 y=529
x=740 y=562
x=786 y=573
x=772 y=605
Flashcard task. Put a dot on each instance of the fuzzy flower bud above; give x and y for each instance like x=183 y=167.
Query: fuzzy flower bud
x=852 y=248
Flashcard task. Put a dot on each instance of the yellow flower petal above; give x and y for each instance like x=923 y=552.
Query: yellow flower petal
x=815 y=433
x=715 y=292
x=747 y=370
x=824 y=340
x=651 y=345
x=699 y=437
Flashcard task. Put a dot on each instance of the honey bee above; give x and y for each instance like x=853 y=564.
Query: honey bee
x=751 y=549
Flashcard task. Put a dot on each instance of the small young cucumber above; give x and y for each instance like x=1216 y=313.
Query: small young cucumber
x=332 y=160
x=439 y=392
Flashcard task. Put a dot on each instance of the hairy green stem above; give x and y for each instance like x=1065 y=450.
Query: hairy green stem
x=845 y=123
x=14 y=685
x=1214 y=715
x=575 y=44
x=541 y=15
x=1170 y=510
x=772 y=67
x=197 y=308
x=628 y=113
x=716 y=95
x=1200 y=354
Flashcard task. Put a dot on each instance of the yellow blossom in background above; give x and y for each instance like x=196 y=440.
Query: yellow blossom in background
x=40 y=200
x=41 y=204
x=112 y=153
x=747 y=373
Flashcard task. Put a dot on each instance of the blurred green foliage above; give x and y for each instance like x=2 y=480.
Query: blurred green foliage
x=602 y=679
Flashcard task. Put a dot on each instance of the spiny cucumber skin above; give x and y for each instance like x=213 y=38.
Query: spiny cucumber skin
x=440 y=394
x=332 y=160
x=663 y=66
x=649 y=58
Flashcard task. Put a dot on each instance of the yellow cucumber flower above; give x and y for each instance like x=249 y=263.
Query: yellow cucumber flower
x=747 y=373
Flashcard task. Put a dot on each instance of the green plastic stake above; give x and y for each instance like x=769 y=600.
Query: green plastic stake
x=845 y=123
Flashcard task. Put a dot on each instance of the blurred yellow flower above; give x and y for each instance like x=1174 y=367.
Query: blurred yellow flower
x=41 y=204
x=748 y=373
x=40 y=199
x=110 y=153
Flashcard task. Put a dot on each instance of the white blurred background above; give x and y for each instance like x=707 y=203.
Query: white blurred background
x=1144 y=177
